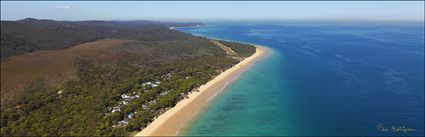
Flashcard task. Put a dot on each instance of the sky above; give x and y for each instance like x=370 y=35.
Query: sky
x=215 y=10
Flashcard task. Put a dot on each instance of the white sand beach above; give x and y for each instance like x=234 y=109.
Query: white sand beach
x=175 y=119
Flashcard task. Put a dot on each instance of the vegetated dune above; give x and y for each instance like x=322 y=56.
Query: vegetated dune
x=93 y=71
x=29 y=35
x=55 y=66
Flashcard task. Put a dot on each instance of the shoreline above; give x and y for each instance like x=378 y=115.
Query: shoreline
x=195 y=26
x=177 y=118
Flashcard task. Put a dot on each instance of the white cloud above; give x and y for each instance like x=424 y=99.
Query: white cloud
x=63 y=7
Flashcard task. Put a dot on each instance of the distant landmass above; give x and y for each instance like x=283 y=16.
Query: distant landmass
x=104 y=78
x=29 y=35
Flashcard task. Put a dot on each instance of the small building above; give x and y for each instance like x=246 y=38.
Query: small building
x=116 y=110
x=125 y=96
x=151 y=84
x=121 y=123
x=163 y=93
x=152 y=102
x=130 y=115
x=124 y=102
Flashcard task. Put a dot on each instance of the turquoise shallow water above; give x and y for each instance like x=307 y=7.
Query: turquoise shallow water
x=255 y=110
x=321 y=79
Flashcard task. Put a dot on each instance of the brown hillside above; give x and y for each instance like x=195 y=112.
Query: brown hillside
x=53 y=66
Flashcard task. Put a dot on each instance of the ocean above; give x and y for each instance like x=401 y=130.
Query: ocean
x=321 y=79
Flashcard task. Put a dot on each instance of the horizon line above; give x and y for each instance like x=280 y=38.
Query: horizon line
x=223 y=20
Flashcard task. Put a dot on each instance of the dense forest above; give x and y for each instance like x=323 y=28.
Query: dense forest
x=28 y=35
x=154 y=71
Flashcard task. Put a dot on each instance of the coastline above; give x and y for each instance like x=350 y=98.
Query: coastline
x=175 y=119
x=195 y=26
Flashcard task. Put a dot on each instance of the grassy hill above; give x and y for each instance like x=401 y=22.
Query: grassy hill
x=68 y=78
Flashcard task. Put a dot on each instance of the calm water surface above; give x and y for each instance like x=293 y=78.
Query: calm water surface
x=321 y=79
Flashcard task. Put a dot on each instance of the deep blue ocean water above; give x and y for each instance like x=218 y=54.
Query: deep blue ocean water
x=324 y=79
